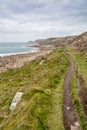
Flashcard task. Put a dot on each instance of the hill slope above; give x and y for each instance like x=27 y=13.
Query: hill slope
x=42 y=83
x=41 y=104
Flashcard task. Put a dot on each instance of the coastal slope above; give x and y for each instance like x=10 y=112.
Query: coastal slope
x=53 y=82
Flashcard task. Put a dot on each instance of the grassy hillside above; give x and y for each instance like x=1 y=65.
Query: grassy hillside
x=42 y=81
x=41 y=104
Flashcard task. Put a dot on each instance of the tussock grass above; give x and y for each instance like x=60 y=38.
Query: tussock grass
x=41 y=104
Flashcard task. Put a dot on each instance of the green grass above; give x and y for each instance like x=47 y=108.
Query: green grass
x=41 y=104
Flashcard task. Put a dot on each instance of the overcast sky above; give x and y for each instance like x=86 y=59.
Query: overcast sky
x=24 y=20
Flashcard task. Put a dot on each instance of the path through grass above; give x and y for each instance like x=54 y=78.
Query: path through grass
x=41 y=104
x=77 y=88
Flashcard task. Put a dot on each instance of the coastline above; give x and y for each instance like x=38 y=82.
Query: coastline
x=13 y=48
x=19 y=60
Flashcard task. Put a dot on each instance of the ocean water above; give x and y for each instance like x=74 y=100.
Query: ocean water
x=12 y=48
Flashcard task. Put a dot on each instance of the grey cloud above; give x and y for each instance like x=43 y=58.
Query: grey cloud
x=51 y=9
x=43 y=17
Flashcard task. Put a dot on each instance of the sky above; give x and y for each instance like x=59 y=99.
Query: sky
x=25 y=20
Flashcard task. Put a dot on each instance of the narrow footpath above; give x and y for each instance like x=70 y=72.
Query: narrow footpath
x=71 y=120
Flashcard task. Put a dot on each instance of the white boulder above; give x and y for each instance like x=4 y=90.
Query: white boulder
x=15 y=100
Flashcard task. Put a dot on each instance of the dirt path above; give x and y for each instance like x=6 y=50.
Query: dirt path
x=71 y=120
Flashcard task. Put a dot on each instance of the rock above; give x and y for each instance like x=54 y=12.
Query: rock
x=77 y=124
x=74 y=127
x=68 y=108
x=41 y=62
x=15 y=100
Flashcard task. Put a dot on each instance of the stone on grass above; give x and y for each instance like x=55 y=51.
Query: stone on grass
x=41 y=62
x=15 y=100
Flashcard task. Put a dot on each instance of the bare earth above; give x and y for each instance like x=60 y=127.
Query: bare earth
x=71 y=120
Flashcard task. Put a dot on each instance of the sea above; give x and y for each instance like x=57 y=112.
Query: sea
x=12 y=48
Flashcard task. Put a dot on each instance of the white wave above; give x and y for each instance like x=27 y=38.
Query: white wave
x=9 y=54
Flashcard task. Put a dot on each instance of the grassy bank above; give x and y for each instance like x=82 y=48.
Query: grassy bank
x=42 y=85
x=75 y=89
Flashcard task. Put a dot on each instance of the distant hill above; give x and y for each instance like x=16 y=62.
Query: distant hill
x=79 y=41
x=57 y=42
